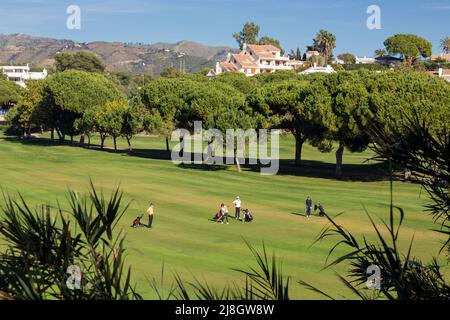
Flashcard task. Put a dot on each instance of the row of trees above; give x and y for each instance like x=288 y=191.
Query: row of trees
x=324 y=110
x=321 y=109
x=73 y=103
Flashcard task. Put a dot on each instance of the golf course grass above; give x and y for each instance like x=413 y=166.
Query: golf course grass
x=186 y=197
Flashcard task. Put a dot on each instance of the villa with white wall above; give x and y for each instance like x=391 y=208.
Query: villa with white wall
x=365 y=60
x=316 y=69
x=255 y=59
x=19 y=74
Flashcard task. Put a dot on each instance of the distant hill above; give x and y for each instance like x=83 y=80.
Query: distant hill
x=131 y=57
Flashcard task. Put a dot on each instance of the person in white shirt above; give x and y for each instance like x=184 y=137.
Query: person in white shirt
x=224 y=212
x=237 y=205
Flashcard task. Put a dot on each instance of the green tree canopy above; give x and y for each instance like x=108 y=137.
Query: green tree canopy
x=348 y=58
x=133 y=120
x=325 y=42
x=248 y=35
x=81 y=60
x=129 y=83
x=303 y=108
x=28 y=114
x=162 y=98
x=445 y=44
x=171 y=73
x=266 y=40
x=409 y=46
x=380 y=53
x=68 y=94
x=9 y=93
x=109 y=120
x=297 y=54
x=237 y=80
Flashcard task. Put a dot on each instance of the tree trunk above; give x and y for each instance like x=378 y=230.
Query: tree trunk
x=298 y=151
x=82 y=140
x=167 y=144
x=102 y=145
x=339 y=154
x=115 y=143
x=60 y=136
x=130 y=149
x=52 y=135
x=89 y=141
x=71 y=140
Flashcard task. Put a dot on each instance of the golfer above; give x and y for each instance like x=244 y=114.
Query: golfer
x=224 y=212
x=150 y=215
x=237 y=205
x=308 y=206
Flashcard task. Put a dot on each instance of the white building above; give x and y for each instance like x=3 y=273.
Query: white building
x=312 y=53
x=255 y=59
x=315 y=69
x=444 y=73
x=441 y=73
x=365 y=60
x=19 y=74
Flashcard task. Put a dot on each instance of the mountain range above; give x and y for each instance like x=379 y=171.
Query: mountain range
x=39 y=52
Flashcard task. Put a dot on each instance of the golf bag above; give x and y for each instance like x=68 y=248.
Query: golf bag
x=320 y=208
x=137 y=222
x=217 y=216
x=248 y=217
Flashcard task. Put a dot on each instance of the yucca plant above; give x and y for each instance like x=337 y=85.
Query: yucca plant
x=403 y=277
x=43 y=244
x=414 y=147
x=427 y=155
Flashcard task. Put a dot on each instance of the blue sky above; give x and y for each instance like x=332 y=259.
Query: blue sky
x=212 y=22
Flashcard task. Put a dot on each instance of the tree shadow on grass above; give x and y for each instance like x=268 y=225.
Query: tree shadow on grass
x=44 y=142
x=364 y=172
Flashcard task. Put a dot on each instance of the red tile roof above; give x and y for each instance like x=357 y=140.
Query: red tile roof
x=445 y=73
x=264 y=51
x=245 y=61
x=445 y=56
x=228 y=66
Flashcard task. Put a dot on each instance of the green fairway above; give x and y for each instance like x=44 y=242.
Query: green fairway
x=184 y=239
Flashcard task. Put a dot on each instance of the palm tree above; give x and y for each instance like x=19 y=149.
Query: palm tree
x=325 y=41
x=445 y=44
x=380 y=53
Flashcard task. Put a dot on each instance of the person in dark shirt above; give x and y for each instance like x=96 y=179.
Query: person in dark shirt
x=308 y=206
